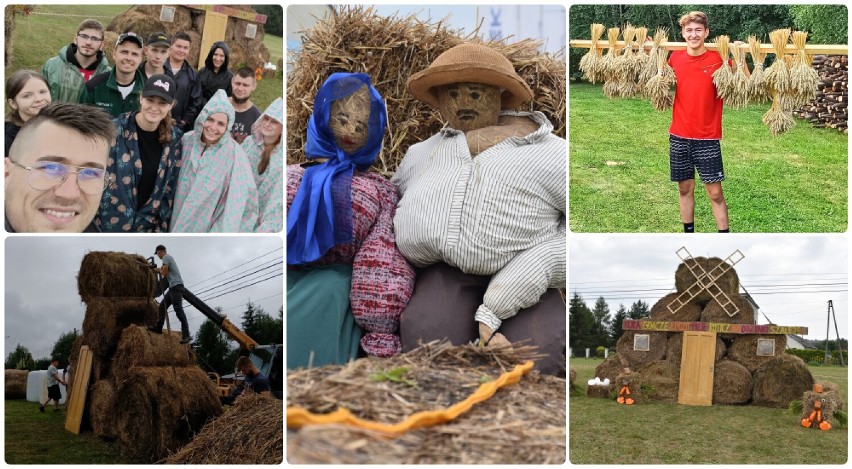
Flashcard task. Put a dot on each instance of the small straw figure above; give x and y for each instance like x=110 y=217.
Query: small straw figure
x=820 y=413
x=756 y=87
x=590 y=64
x=723 y=76
x=608 y=62
x=624 y=394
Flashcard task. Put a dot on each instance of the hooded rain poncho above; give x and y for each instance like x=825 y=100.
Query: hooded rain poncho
x=270 y=184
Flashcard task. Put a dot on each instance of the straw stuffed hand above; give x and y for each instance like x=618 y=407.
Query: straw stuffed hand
x=489 y=338
x=624 y=394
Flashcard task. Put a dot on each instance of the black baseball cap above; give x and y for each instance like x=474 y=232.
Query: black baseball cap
x=130 y=36
x=159 y=248
x=159 y=39
x=163 y=86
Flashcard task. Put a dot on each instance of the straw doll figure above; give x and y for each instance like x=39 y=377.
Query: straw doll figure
x=482 y=211
x=625 y=396
x=347 y=283
x=818 y=409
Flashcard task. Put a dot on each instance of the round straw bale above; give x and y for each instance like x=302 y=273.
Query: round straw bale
x=182 y=19
x=634 y=358
x=16 y=384
x=688 y=312
x=729 y=282
x=743 y=350
x=264 y=444
x=75 y=350
x=194 y=55
x=781 y=380
x=107 y=317
x=160 y=408
x=599 y=391
x=610 y=368
x=713 y=312
x=674 y=348
x=102 y=408
x=111 y=274
x=659 y=381
x=141 y=347
x=134 y=21
x=731 y=383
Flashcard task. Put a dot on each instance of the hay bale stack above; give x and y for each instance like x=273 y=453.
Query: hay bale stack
x=610 y=368
x=9 y=24
x=684 y=278
x=732 y=383
x=161 y=408
x=659 y=381
x=674 y=348
x=16 y=384
x=713 y=312
x=75 y=350
x=182 y=19
x=743 y=350
x=599 y=391
x=356 y=39
x=264 y=444
x=688 y=312
x=106 y=318
x=781 y=380
x=634 y=358
x=101 y=408
x=138 y=347
x=140 y=23
x=111 y=274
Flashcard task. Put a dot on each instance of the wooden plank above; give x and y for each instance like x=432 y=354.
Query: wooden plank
x=681 y=326
x=230 y=11
x=698 y=357
x=74 y=417
x=834 y=49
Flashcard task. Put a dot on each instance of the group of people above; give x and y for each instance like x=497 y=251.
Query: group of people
x=155 y=145
x=465 y=242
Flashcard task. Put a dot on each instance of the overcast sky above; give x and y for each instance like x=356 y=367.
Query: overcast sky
x=42 y=302
x=790 y=277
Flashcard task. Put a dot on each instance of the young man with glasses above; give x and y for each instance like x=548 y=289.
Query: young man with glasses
x=55 y=172
x=69 y=70
x=117 y=91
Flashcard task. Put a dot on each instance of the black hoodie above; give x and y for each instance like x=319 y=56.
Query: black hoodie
x=212 y=81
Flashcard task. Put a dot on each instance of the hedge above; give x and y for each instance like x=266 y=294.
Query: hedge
x=819 y=355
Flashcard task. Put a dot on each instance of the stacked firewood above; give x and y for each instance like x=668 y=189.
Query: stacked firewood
x=830 y=106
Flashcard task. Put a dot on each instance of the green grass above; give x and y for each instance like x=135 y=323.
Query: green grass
x=36 y=38
x=796 y=182
x=603 y=432
x=33 y=437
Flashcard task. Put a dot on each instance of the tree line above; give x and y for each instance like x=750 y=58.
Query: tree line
x=591 y=328
x=212 y=347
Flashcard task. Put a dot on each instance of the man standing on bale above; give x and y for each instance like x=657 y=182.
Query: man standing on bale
x=482 y=211
x=696 y=129
x=173 y=297
x=76 y=63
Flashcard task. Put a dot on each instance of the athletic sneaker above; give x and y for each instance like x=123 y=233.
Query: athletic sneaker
x=185 y=339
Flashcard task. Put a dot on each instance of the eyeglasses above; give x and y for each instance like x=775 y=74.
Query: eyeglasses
x=45 y=175
x=86 y=37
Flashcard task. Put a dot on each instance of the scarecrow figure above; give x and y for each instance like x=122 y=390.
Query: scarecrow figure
x=624 y=393
x=817 y=410
x=482 y=211
x=347 y=283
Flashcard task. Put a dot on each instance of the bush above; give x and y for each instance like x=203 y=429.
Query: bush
x=814 y=363
x=819 y=356
x=600 y=351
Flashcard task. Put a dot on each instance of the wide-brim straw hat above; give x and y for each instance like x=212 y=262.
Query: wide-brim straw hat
x=470 y=63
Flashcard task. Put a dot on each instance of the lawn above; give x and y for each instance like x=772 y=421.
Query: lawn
x=39 y=36
x=603 y=432
x=33 y=437
x=619 y=171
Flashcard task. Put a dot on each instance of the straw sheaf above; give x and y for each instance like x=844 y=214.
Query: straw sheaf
x=102 y=400
x=688 y=312
x=16 y=384
x=674 y=348
x=777 y=118
x=590 y=62
x=756 y=87
x=713 y=311
x=636 y=358
x=110 y=274
x=106 y=318
x=225 y=439
x=728 y=282
x=160 y=409
x=781 y=380
x=732 y=383
x=531 y=413
x=139 y=347
x=743 y=350
x=390 y=50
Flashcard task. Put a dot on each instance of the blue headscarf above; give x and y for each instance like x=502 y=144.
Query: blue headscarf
x=321 y=213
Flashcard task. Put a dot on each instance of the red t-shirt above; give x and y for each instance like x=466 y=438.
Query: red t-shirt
x=697 y=112
x=86 y=73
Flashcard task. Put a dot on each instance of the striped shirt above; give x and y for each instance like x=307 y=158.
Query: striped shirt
x=501 y=213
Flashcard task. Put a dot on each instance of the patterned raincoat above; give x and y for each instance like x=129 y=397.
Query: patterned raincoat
x=215 y=191
x=270 y=184
x=117 y=212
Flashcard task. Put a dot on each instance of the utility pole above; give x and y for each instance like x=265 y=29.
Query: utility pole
x=829 y=316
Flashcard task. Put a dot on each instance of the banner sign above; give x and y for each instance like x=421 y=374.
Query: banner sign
x=677 y=326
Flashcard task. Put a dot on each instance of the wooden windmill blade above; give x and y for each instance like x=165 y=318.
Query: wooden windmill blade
x=706 y=281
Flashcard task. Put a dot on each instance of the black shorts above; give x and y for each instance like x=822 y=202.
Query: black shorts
x=686 y=155
x=53 y=392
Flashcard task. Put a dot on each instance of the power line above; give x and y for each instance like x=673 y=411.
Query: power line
x=241 y=286
x=230 y=280
x=230 y=269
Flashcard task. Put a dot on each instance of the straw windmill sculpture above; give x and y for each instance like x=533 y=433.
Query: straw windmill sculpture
x=706 y=281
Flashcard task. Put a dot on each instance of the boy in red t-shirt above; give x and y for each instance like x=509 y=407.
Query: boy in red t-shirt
x=696 y=130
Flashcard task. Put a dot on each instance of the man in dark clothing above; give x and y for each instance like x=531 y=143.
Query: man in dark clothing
x=189 y=100
x=215 y=74
x=76 y=63
x=174 y=297
x=156 y=54
x=117 y=91
x=255 y=381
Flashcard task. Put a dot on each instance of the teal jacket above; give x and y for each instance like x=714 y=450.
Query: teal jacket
x=102 y=91
x=64 y=78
